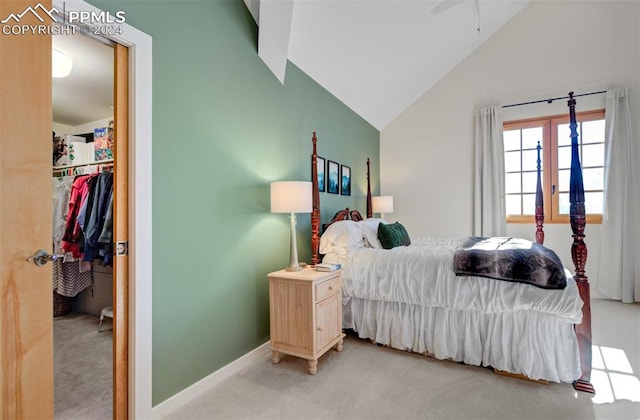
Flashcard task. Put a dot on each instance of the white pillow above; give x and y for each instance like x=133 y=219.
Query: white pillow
x=341 y=238
x=369 y=228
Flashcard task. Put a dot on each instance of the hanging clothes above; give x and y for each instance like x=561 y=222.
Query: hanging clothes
x=106 y=236
x=61 y=192
x=69 y=277
x=72 y=239
x=95 y=216
x=82 y=228
x=87 y=236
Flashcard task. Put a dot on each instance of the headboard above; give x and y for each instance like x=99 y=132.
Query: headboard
x=344 y=214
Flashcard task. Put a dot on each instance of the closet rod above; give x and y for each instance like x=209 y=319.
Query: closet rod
x=550 y=100
x=78 y=165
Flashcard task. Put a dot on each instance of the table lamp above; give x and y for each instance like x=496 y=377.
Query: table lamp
x=291 y=197
x=382 y=204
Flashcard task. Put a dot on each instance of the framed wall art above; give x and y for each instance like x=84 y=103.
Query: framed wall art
x=345 y=180
x=320 y=166
x=333 y=179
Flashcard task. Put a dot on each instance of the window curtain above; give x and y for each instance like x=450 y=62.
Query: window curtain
x=619 y=268
x=489 y=213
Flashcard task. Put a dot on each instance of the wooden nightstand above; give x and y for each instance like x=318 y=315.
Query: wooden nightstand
x=306 y=314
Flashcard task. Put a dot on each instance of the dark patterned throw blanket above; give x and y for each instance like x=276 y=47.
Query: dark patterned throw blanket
x=510 y=259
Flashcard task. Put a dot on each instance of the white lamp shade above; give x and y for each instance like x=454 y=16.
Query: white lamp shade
x=291 y=197
x=382 y=204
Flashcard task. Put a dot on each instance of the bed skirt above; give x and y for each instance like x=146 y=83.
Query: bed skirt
x=534 y=344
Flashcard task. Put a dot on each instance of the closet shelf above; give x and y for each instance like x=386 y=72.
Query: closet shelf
x=79 y=165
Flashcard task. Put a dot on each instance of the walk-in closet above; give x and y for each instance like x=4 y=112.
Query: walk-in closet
x=82 y=237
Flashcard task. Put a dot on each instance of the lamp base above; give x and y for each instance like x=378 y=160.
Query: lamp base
x=293 y=260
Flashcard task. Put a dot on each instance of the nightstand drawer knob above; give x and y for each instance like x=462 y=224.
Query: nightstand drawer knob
x=320 y=328
x=330 y=287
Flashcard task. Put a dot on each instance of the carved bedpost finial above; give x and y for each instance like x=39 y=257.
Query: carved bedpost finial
x=577 y=212
x=539 y=212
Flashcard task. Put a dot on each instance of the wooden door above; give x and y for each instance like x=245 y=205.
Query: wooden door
x=26 y=315
x=121 y=235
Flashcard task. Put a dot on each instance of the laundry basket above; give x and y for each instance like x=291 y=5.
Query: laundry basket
x=61 y=304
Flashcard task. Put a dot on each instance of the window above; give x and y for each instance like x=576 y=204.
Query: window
x=520 y=160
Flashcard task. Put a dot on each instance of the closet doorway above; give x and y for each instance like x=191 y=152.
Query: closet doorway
x=26 y=322
x=90 y=124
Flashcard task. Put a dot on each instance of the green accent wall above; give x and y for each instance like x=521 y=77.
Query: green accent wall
x=223 y=129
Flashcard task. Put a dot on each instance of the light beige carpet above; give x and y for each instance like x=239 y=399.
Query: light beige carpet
x=366 y=381
x=82 y=368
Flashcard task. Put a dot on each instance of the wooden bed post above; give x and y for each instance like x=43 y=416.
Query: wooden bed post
x=315 y=212
x=539 y=204
x=369 y=206
x=577 y=216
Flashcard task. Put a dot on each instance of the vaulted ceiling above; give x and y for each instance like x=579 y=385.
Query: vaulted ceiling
x=377 y=56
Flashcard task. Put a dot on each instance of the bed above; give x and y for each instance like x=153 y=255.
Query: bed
x=409 y=298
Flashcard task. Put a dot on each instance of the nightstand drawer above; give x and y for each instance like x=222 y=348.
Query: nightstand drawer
x=328 y=288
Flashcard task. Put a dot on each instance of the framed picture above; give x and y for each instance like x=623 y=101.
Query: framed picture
x=321 y=176
x=333 y=181
x=345 y=179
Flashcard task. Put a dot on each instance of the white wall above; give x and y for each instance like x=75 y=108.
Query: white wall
x=99 y=295
x=62 y=129
x=547 y=50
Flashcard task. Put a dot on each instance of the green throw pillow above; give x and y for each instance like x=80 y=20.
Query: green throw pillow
x=393 y=235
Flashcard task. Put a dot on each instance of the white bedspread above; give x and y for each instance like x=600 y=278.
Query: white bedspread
x=422 y=274
x=409 y=298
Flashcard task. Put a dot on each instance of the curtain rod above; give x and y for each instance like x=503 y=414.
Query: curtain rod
x=550 y=100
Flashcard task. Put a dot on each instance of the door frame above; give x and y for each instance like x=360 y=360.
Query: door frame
x=140 y=209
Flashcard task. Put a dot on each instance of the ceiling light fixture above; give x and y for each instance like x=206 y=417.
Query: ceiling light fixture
x=61 y=64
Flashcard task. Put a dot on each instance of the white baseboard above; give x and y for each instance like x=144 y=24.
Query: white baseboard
x=171 y=404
